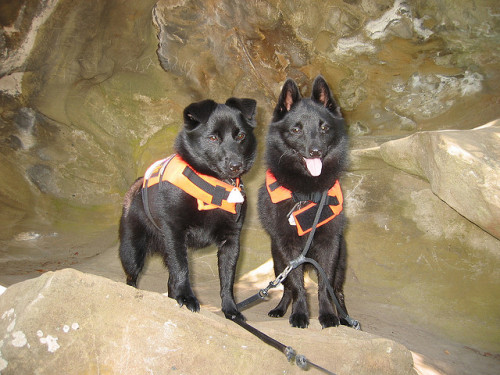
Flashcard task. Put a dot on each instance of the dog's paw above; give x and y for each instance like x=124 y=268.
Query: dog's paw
x=346 y=323
x=299 y=320
x=328 y=320
x=276 y=313
x=234 y=315
x=190 y=301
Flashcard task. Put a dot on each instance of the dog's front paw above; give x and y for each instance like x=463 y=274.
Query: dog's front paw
x=234 y=315
x=190 y=301
x=230 y=310
x=328 y=320
x=276 y=313
x=299 y=320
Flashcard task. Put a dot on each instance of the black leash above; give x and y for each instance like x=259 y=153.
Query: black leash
x=261 y=294
x=302 y=362
x=301 y=259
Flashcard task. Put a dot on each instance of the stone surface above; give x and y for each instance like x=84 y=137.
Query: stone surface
x=73 y=323
x=97 y=94
x=20 y=21
x=462 y=167
x=399 y=66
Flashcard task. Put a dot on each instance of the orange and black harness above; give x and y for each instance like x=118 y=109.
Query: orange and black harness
x=210 y=192
x=303 y=216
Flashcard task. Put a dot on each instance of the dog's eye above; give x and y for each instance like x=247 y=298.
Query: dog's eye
x=213 y=138
x=323 y=127
x=241 y=136
x=296 y=130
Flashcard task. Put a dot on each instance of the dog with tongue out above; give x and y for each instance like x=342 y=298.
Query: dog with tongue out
x=306 y=153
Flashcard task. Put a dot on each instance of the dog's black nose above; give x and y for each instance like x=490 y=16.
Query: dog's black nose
x=235 y=166
x=315 y=153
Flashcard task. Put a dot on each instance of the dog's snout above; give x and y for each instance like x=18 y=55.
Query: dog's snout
x=235 y=166
x=315 y=153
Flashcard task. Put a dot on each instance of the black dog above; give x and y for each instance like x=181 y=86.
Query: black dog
x=306 y=153
x=193 y=199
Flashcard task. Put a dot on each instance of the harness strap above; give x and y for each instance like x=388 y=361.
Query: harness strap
x=303 y=213
x=144 y=191
x=217 y=192
x=147 y=209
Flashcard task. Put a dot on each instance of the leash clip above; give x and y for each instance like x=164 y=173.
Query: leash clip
x=282 y=276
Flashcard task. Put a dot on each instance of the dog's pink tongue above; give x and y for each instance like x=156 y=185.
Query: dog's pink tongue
x=314 y=166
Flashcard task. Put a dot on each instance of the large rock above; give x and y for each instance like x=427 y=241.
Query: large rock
x=393 y=63
x=462 y=167
x=69 y=322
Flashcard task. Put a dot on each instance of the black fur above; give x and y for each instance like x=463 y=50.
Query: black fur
x=217 y=140
x=305 y=128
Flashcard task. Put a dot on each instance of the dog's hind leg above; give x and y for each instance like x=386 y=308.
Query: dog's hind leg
x=132 y=254
x=281 y=308
x=338 y=282
x=294 y=289
x=279 y=266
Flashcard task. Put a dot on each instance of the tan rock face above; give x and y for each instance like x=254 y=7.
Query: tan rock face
x=91 y=92
x=73 y=323
x=462 y=167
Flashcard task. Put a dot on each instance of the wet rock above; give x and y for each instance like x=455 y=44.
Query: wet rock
x=462 y=167
x=70 y=322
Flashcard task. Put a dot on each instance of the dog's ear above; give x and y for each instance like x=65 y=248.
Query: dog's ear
x=321 y=94
x=290 y=95
x=198 y=113
x=247 y=107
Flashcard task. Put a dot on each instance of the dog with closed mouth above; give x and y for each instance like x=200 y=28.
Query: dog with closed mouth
x=306 y=153
x=193 y=199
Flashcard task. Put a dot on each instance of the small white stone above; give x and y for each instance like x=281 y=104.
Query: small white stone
x=51 y=342
x=19 y=339
x=7 y=313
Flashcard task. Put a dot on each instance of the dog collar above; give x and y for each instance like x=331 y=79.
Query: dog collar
x=303 y=218
x=210 y=192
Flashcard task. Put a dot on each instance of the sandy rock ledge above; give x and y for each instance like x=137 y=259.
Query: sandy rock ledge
x=70 y=322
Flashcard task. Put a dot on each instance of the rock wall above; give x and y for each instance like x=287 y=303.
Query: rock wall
x=397 y=66
x=462 y=167
x=91 y=92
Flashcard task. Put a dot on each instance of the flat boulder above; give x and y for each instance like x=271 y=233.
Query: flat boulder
x=462 y=167
x=69 y=322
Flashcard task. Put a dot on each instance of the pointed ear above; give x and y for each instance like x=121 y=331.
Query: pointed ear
x=290 y=95
x=198 y=113
x=247 y=107
x=321 y=94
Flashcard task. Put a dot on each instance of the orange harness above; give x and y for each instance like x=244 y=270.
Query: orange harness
x=303 y=217
x=210 y=192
